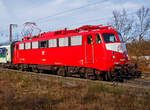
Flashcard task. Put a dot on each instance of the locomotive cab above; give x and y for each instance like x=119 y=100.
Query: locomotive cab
x=116 y=49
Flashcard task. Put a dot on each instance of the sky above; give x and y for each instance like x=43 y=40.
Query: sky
x=52 y=15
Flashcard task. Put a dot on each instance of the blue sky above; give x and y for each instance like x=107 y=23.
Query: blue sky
x=42 y=12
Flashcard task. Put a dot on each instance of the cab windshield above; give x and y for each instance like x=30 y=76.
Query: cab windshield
x=120 y=37
x=109 y=38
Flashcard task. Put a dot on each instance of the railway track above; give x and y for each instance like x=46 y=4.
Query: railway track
x=72 y=81
x=139 y=82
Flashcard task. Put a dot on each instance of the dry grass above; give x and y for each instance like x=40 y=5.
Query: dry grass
x=25 y=92
x=144 y=65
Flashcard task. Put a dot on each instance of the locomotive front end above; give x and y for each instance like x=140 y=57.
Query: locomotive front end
x=118 y=61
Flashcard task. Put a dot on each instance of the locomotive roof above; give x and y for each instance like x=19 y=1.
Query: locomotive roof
x=68 y=33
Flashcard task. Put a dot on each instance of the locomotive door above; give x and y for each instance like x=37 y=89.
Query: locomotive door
x=16 y=53
x=89 y=49
x=99 y=49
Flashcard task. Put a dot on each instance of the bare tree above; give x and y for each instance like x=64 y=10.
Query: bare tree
x=142 y=25
x=122 y=23
x=137 y=30
x=142 y=30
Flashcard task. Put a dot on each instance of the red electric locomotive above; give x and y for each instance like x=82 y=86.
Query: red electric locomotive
x=91 y=51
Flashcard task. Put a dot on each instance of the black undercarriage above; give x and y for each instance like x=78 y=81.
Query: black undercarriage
x=119 y=73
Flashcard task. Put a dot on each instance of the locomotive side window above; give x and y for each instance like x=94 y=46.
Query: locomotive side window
x=43 y=44
x=63 y=42
x=76 y=40
x=21 y=46
x=89 y=39
x=35 y=45
x=98 y=39
x=28 y=45
x=52 y=43
x=109 y=38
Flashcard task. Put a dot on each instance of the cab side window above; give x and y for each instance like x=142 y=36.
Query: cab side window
x=98 y=39
x=89 y=39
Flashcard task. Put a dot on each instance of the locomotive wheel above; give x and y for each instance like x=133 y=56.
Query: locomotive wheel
x=90 y=74
x=107 y=76
x=61 y=71
x=21 y=68
x=34 y=69
x=98 y=75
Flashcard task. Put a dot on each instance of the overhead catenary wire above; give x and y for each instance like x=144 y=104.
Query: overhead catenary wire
x=78 y=23
x=72 y=10
x=90 y=20
x=68 y=11
x=81 y=23
x=63 y=12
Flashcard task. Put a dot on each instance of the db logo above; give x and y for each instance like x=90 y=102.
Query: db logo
x=43 y=52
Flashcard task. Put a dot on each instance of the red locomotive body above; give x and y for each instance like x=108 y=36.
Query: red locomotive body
x=100 y=48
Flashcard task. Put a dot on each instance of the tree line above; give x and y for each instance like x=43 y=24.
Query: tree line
x=135 y=29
